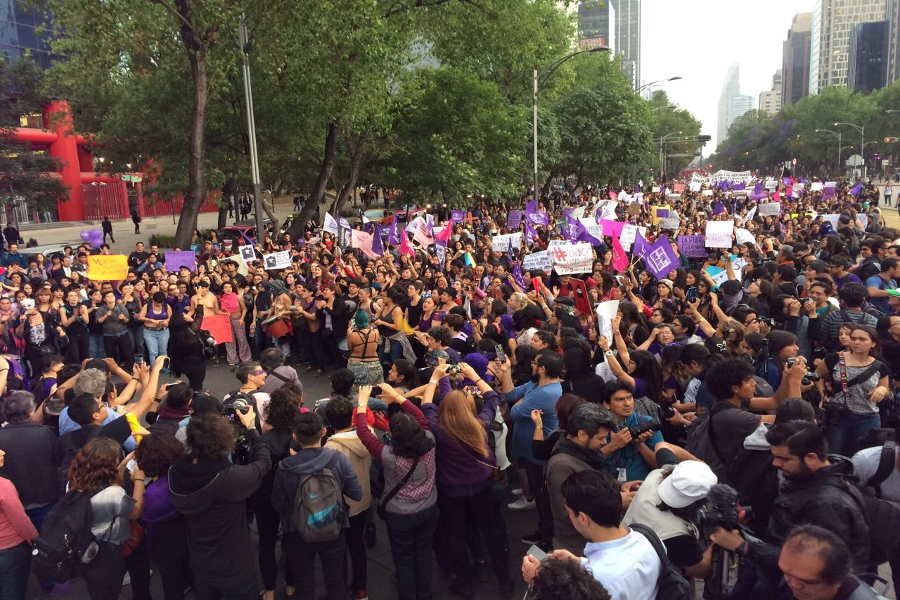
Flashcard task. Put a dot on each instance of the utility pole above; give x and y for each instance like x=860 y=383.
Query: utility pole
x=244 y=42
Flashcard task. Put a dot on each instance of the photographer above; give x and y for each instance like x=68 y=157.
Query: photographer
x=629 y=457
x=212 y=493
x=252 y=377
x=782 y=348
x=668 y=501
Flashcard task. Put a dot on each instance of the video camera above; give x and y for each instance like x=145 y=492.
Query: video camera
x=653 y=424
x=721 y=510
x=237 y=404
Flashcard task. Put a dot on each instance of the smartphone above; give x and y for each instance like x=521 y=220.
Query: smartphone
x=537 y=553
x=166 y=363
x=691 y=294
x=453 y=369
x=501 y=355
x=130 y=464
x=139 y=359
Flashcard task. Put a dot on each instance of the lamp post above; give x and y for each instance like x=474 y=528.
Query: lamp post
x=862 y=143
x=840 y=138
x=652 y=83
x=538 y=85
x=244 y=41
x=662 y=141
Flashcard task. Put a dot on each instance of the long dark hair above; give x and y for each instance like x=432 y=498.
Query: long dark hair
x=408 y=439
x=647 y=369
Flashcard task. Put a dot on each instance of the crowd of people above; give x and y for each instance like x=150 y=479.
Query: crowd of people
x=638 y=404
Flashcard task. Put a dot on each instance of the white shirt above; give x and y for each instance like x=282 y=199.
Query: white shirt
x=865 y=463
x=628 y=567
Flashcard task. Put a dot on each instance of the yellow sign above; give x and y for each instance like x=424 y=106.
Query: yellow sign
x=107 y=267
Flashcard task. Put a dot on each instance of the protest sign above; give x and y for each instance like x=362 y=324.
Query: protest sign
x=771 y=184
x=571 y=258
x=629 y=231
x=458 y=216
x=655 y=189
x=660 y=258
x=277 y=260
x=706 y=193
x=219 y=326
x=720 y=278
x=107 y=267
x=609 y=210
x=816 y=186
x=672 y=222
x=175 y=259
x=422 y=233
x=718 y=234
x=362 y=241
x=331 y=225
x=593 y=229
x=537 y=261
x=514 y=221
x=833 y=219
x=248 y=254
x=742 y=236
x=679 y=188
x=606 y=312
x=693 y=246
x=770 y=208
x=538 y=218
x=500 y=243
x=863 y=220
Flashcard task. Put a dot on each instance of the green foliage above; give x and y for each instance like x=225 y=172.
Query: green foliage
x=163 y=241
x=24 y=174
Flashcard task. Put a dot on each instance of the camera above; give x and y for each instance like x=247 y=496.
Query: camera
x=431 y=360
x=810 y=375
x=238 y=405
x=644 y=426
x=241 y=453
x=721 y=509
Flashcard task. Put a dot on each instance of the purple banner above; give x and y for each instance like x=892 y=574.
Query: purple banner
x=514 y=220
x=660 y=258
x=175 y=259
x=662 y=213
x=538 y=218
x=457 y=216
x=693 y=246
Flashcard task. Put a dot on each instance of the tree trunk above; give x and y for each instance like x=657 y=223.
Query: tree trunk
x=545 y=191
x=355 y=162
x=318 y=192
x=196 y=152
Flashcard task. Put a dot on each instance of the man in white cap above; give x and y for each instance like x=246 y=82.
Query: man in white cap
x=666 y=503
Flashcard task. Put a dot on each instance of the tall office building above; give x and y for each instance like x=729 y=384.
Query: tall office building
x=596 y=24
x=732 y=104
x=868 y=57
x=795 y=60
x=18 y=35
x=628 y=37
x=832 y=20
x=892 y=11
x=770 y=101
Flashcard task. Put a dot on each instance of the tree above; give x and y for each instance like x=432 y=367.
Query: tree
x=669 y=121
x=24 y=174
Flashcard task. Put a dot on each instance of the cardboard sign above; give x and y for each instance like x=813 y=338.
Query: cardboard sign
x=679 y=188
x=742 y=236
x=572 y=258
x=500 y=243
x=175 y=259
x=277 y=260
x=695 y=186
x=770 y=208
x=693 y=246
x=606 y=312
x=248 y=254
x=107 y=267
x=219 y=326
x=816 y=186
x=537 y=261
x=706 y=193
x=718 y=234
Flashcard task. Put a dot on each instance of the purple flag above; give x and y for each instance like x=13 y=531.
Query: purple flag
x=518 y=277
x=663 y=190
x=393 y=239
x=538 y=218
x=857 y=189
x=567 y=231
x=457 y=216
x=377 y=246
x=662 y=213
x=531 y=206
x=787 y=181
x=530 y=234
x=719 y=208
x=510 y=254
x=514 y=220
x=640 y=246
x=659 y=258
x=368 y=227
x=583 y=235
x=740 y=186
x=758 y=187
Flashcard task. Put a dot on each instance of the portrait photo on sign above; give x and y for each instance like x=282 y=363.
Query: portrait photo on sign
x=247 y=253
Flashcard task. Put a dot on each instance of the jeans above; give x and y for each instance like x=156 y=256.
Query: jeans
x=411 y=538
x=120 y=348
x=456 y=513
x=331 y=556
x=267 y=522
x=157 y=343
x=36 y=515
x=95 y=346
x=844 y=431
x=206 y=590
x=396 y=352
x=15 y=564
x=137 y=339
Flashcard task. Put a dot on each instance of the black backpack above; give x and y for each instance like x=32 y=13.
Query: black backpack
x=65 y=540
x=672 y=584
x=887 y=462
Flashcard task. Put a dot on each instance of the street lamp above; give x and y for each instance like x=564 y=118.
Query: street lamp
x=548 y=71
x=840 y=144
x=862 y=143
x=665 y=107
x=661 y=141
x=646 y=85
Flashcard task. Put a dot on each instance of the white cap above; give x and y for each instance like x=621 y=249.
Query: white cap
x=690 y=481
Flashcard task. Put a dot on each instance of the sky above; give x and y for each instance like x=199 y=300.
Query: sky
x=699 y=39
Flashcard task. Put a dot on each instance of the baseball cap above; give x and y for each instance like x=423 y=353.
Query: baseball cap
x=690 y=481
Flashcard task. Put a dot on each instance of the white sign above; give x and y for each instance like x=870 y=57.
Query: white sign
x=609 y=210
x=537 y=261
x=770 y=208
x=606 y=312
x=572 y=258
x=742 y=236
x=720 y=277
x=718 y=234
x=771 y=184
x=863 y=220
x=695 y=186
x=331 y=225
x=706 y=193
x=833 y=219
x=629 y=233
x=411 y=228
x=277 y=260
x=673 y=222
x=500 y=243
x=735 y=176
x=248 y=255
x=816 y=186
x=592 y=228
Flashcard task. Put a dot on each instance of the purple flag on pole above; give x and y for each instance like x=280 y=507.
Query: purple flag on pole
x=640 y=246
x=393 y=239
x=719 y=208
x=583 y=235
x=518 y=277
x=530 y=233
x=377 y=246
x=531 y=206
x=740 y=186
x=510 y=254
x=857 y=189
x=538 y=218
x=663 y=190
x=457 y=216
x=787 y=181
x=659 y=258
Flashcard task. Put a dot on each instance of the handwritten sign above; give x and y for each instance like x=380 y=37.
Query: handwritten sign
x=514 y=221
x=770 y=208
x=672 y=222
x=107 y=267
x=606 y=312
x=277 y=260
x=175 y=259
x=718 y=234
x=693 y=246
x=219 y=326
x=500 y=243
x=569 y=259
x=537 y=261
x=816 y=186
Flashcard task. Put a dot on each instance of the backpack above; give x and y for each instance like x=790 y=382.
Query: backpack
x=672 y=584
x=887 y=462
x=319 y=505
x=65 y=541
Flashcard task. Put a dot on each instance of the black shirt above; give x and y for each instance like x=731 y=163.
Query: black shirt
x=70 y=443
x=136 y=259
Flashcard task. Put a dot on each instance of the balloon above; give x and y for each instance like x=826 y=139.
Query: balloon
x=95 y=242
x=86 y=235
x=96 y=233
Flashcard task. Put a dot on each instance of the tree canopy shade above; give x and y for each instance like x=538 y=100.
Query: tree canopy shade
x=759 y=140
x=24 y=174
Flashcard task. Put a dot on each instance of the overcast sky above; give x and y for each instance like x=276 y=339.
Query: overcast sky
x=699 y=39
